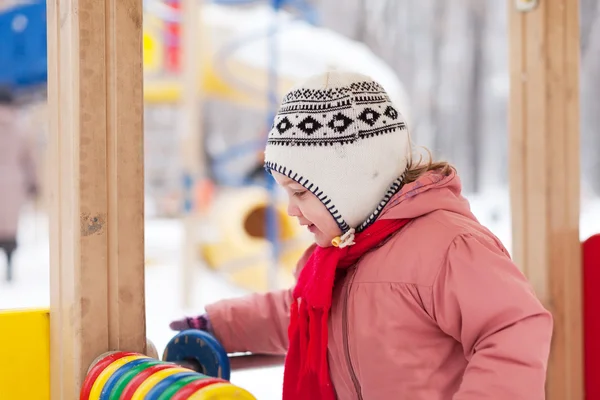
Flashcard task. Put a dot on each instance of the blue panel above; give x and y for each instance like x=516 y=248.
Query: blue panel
x=23 y=49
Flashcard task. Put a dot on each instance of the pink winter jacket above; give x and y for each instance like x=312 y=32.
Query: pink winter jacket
x=437 y=312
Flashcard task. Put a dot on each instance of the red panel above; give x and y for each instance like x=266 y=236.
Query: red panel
x=173 y=29
x=591 y=318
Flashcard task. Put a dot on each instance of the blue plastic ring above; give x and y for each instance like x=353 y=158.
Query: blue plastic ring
x=201 y=346
x=158 y=390
x=112 y=381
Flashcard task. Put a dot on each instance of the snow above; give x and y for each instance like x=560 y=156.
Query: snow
x=163 y=243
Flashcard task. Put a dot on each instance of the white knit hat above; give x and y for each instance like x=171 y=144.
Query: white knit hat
x=339 y=135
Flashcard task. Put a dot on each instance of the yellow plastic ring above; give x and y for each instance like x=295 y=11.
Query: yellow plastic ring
x=153 y=380
x=107 y=373
x=222 y=391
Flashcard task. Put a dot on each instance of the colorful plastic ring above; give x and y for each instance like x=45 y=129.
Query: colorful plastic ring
x=96 y=369
x=185 y=392
x=174 y=388
x=100 y=357
x=122 y=383
x=202 y=347
x=153 y=380
x=160 y=388
x=222 y=391
x=135 y=383
x=114 y=378
x=107 y=372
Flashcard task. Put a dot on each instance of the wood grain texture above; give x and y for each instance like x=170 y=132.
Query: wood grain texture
x=97 y=286
x=545 y=175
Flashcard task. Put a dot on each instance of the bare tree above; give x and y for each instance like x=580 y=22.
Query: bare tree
x=452 y=57
x=590 y=104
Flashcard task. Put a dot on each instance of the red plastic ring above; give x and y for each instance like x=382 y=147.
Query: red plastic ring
x=185 y=392
x=97 y=369
x=135 y=383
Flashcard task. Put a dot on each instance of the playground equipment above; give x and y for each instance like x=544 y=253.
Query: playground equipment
x=127 y=375
x=123 y=375
x=244 y=59
x=23 y=64
x=97 y=301
x=239 y=249
x=200 y=351
x=591 y=320
x=234 y=52
x=234 y=74
x=194 y=366
x=190 y=356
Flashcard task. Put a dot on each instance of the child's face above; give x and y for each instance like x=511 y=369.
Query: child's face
x=309 y=210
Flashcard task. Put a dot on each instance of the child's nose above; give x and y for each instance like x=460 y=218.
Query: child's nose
x=293 y=210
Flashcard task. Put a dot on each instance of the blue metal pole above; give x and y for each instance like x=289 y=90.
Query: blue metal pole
x=271 y=214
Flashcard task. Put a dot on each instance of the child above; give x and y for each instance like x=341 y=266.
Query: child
x=405 y=295
x=17 y=175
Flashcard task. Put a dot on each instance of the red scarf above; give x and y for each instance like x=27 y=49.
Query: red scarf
x=306 y=375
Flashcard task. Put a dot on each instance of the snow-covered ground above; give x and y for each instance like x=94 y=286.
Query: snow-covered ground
x=163 y=243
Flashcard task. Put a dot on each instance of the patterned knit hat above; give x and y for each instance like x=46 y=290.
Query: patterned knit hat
x=339 y=135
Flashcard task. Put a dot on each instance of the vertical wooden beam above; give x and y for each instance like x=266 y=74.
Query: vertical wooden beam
x=545 y=174
x=96 y=146
x=125 y=140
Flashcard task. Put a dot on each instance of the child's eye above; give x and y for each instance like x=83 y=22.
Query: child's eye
x=300 y=193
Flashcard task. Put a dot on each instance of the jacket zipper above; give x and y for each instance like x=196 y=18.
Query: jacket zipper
x=345 y=334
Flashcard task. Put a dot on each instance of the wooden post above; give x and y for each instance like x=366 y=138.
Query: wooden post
x=544 y=171
x=97 y=194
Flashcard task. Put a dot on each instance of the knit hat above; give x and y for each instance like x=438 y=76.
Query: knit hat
x=339 y=135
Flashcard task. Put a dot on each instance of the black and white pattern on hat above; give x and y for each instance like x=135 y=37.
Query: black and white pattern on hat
x=391 y=113
x=343 y=115
x=369 y=116
x=339 y=123
x=284 y=125
x=309 y=125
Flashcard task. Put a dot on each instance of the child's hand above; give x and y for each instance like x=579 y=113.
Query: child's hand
x=200 y=322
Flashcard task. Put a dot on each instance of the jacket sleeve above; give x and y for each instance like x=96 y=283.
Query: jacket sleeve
x=256 y=323
x=482 y=300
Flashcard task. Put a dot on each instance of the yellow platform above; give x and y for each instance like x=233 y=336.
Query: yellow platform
x=25 y=354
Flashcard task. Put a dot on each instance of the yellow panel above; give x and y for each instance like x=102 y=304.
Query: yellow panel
x=152 y=53
x=161 y=91
x=153 y=48
x=25 y=354
x=168 y=89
